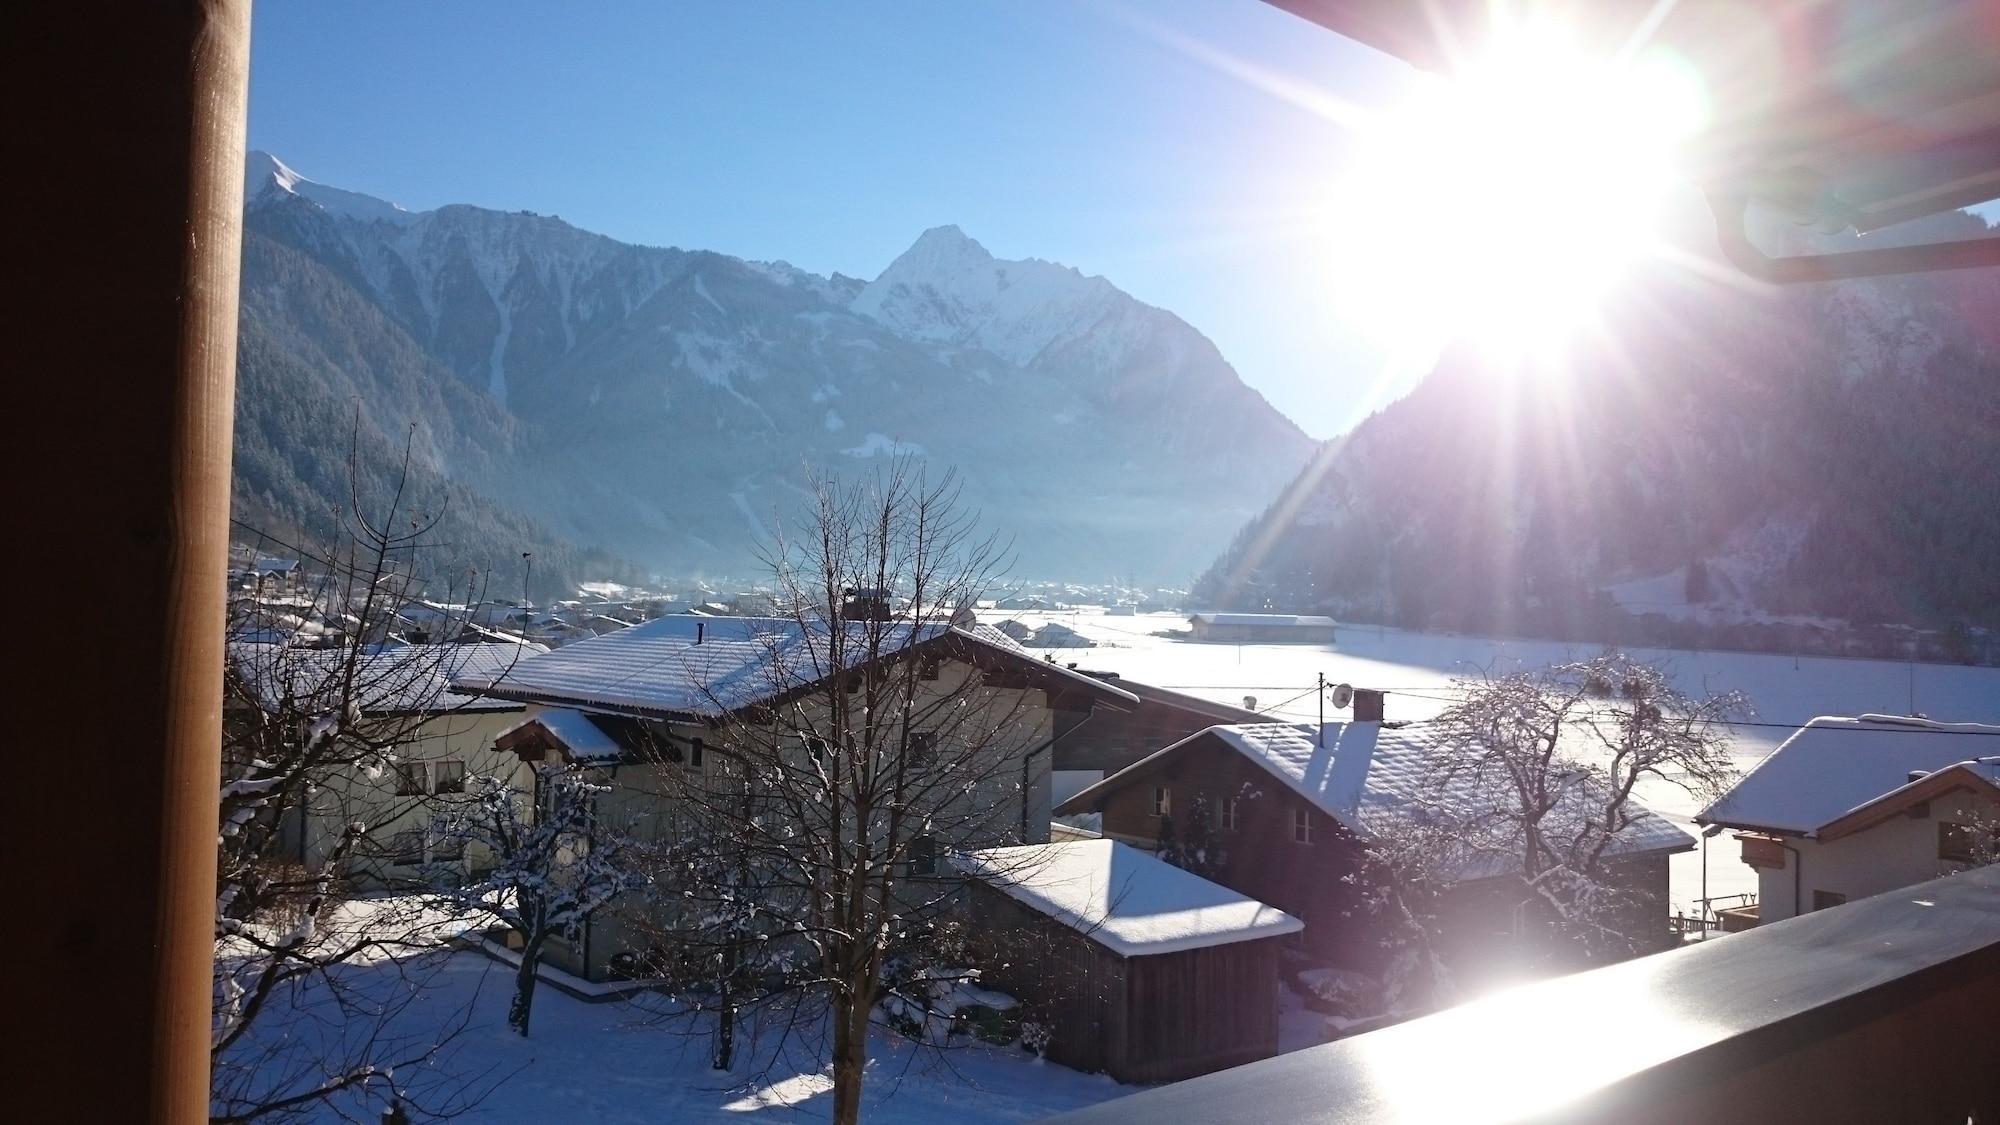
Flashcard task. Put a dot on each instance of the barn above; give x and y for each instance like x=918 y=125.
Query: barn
x=1141 y=970
x=1262 y=628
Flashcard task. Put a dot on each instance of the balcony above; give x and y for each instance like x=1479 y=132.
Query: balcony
x=1881 y=1010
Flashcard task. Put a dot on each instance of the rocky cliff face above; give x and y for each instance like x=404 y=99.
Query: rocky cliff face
x=664 y=403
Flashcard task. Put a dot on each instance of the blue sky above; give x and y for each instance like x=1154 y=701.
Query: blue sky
x=1138 y=139
x=831 y=135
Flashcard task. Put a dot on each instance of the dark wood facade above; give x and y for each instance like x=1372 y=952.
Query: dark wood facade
x=1322 y=878
x=1259 y=856
x=1155 y=1018
x=1108 y=740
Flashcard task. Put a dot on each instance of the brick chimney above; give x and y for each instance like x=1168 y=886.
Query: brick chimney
x=1368 y=705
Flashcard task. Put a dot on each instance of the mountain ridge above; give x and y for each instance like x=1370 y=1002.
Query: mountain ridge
x=1815 y=453
x=663 y=402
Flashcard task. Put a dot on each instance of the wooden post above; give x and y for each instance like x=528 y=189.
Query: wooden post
x=128 y=134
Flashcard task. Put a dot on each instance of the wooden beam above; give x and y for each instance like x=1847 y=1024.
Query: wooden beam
x=122 y=357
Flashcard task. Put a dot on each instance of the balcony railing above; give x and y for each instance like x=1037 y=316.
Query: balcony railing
x=1886 y=1009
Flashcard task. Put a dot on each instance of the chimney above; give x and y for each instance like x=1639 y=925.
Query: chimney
x=1249 y=703
x=1367 y=705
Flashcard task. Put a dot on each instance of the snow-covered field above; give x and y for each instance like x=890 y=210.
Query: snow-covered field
x=1418 y=669
x=632 y=1060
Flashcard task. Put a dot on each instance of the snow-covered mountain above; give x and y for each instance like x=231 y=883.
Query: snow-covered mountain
x=665 y=402
x=1829 y=450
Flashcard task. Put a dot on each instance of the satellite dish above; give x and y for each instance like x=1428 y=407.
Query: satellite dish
x=1343 y=694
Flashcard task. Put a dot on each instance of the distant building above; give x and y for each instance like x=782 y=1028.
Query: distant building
x=1262 y=628
x=1852 y=807
x=1015 y=630
x=1054 y=635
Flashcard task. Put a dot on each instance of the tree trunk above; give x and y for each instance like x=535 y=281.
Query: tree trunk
x=850 y=1056
x=725 y=1010
x=524 y=985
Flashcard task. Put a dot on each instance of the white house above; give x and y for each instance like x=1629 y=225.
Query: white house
x=1851 y=807
x=402 y=692
x=670 y=695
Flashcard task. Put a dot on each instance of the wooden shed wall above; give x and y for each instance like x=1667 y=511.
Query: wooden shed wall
x=1061 y=977
x=1199 y=1010
x=1158 y=1018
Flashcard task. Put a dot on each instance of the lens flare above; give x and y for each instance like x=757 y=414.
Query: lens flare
x=1502 y=204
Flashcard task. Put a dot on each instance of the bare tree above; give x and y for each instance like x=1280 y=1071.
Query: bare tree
x=554 y=863
x=1528 y=792
x=309 y=988
x=808 y=857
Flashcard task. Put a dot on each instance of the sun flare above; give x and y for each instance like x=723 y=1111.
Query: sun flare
x=1500 y=205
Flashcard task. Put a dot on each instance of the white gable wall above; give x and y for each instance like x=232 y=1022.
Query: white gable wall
x=1897 y=853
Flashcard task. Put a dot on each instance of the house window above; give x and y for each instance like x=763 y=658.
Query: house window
x=923 y=747
x=1163 y=801
x=1302 y=825
x=928 y=670
x=923 y=856
x=448 y=776
x=409 y=779
x=1226 y=814
x=1824 y=899
x=696 y=748
x=816 y=749
x=448 y=850
x=1955 y=842
x=406 y=849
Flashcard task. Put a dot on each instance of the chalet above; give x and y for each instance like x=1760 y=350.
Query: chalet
x=1146 y=972
x=1095 y=744
x=1291 y=809
x=1262 y=628
x=1015 y=630
x=453 y=736
x=275 y=576
x=1057 y=635
x=1851 y=807
x=666 y=694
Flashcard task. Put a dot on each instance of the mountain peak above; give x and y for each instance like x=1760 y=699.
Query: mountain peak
x=940 y=250
x=267 y=178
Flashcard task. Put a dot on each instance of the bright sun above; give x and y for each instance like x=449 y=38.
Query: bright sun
x=1500 y=205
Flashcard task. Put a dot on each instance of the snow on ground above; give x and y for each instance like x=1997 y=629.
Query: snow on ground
x=621 y=1061
x=1418 y=669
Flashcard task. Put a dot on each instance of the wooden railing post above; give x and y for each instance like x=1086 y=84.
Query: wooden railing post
x=128 y=138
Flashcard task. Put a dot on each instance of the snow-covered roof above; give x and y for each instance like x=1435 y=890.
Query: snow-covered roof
x=1980 y=775
x=1303 y=620
x=1831 y=766
x=707 y=667
x=1124 y=899
x=1369 y=776
x=391 y=679
x=1150 y=693
x=584 y=740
